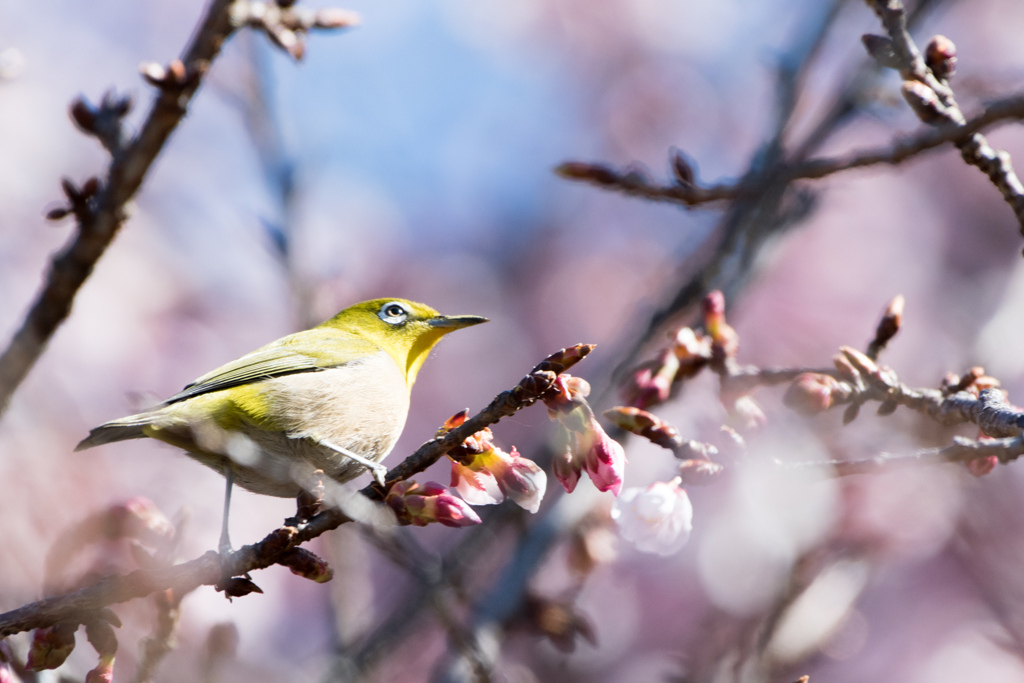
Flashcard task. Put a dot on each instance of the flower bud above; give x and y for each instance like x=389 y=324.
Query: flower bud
x=51 y=646
x=604 y=460
x=812 y=393
x=307 y=564
x=940 y=56
x=420 y=505
x=567 y=469
x=645 y=424
x=924 y=102
x=881 y=50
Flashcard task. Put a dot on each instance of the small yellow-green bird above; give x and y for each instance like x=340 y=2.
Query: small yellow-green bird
x=333 y=398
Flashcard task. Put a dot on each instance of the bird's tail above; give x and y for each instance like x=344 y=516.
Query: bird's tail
x=116 y=430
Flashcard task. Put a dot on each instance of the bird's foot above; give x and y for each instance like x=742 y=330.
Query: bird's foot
x=379 y=472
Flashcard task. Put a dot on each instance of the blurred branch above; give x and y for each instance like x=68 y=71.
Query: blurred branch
x=961 y=450
x=685 y=192
x=211 y=568
x=100 y=207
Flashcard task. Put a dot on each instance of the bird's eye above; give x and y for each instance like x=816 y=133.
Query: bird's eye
x=393 y=313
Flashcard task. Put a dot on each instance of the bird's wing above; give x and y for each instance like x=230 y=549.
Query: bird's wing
x=321 y=349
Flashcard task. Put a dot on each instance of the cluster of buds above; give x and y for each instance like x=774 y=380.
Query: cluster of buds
x=652 y=382
x=420 y=505
x=484 y=474
x=856 y=373
x=286 y=24
x=588 y=447
x=80 y=200
x=656 y=519
x=973 y=381
x=690 y=351
x=103 y=121
x=51 y=646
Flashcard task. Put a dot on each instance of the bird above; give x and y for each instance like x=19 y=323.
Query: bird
x=333 y=398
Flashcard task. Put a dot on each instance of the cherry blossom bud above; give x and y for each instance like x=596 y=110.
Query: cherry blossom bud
x=725 y=340
x=104 y=671
x=420 y=505
x=51 y=646
x=657 y=519
x=652 y=383
x=605 y=461
x=6 y=657
x=645 y=424
x=891 y=321
x=924 y=102
x=881 y=49
x=682 y=168
x=940 y=56
x=307 y=564
x=101 y=636
x=812 y=393
x=595 y=173
x=567 y=469
x=979 y=467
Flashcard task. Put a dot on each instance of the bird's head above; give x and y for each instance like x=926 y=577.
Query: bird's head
x=406 y=330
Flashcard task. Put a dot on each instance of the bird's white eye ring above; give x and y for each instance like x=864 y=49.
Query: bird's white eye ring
x=393 y=313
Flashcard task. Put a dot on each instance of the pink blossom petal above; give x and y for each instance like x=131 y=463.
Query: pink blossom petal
x=657 y=519
x=476 y=488
x=522 y=480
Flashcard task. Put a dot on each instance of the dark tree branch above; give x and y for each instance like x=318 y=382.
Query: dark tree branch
x=98 y=225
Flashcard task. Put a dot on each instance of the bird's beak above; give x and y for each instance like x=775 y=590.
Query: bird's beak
x=454 y=322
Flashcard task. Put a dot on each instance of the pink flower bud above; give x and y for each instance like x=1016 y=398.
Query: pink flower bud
x=604 y=460
x=657 y=519
x=431 y=502
x=567 y=469
x=812 y=393
x=104 y=671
